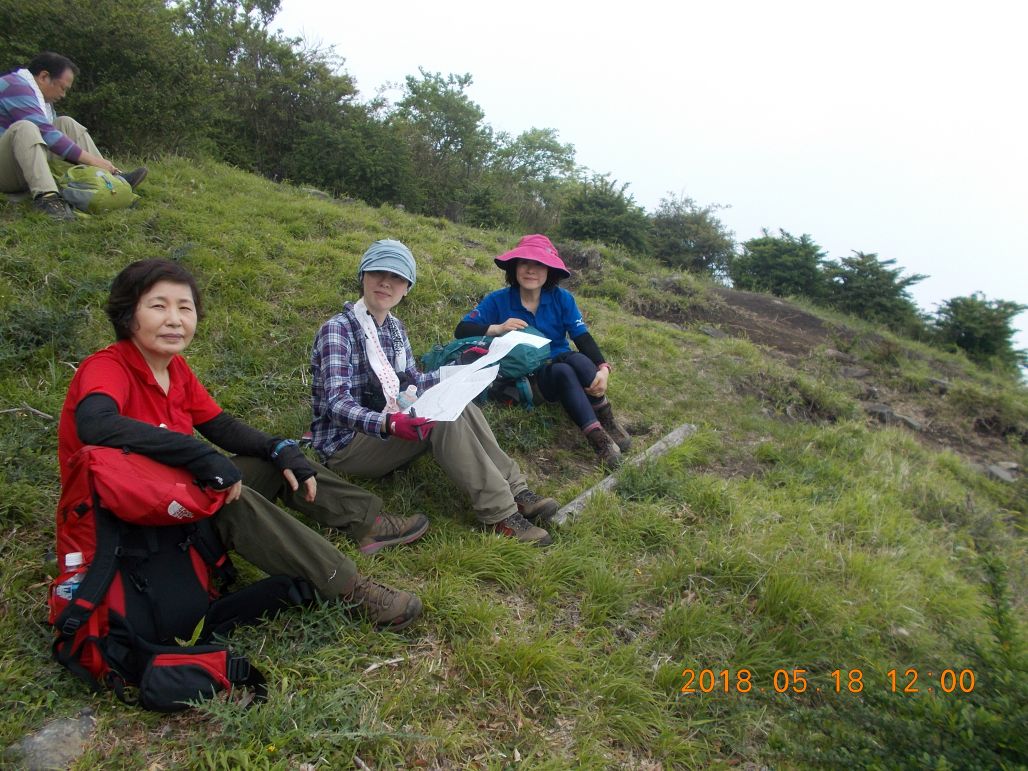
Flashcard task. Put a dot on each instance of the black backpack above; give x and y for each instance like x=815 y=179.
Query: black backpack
x=150 y=598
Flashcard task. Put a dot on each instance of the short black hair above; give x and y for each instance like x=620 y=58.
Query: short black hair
x=55 y=64
x=553 y=277
x=134 y=281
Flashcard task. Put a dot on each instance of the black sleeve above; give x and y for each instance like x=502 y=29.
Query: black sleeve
x=98 y=421
x=230 y=433
x=585 y=343
x=470 y=329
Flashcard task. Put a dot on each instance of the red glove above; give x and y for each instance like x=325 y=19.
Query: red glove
x=404 y=426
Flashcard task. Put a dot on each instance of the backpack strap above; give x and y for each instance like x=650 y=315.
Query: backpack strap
x=89 y=594
x=208 y=545
x=264 y=599
x=525 y=392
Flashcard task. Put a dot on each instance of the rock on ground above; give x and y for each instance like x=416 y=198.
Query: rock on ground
x=55 y=746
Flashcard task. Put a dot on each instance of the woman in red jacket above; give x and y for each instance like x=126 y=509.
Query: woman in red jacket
x=140 y=394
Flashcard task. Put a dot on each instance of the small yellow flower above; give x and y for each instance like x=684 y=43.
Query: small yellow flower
x=272 y=749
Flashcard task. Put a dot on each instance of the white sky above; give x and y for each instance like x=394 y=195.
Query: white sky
x=898 y=127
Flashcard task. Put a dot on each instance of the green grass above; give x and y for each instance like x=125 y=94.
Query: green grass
x=786 y=533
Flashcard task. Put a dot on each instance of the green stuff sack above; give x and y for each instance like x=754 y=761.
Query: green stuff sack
x=524 y=360
x=512 y=386
x=93 y=190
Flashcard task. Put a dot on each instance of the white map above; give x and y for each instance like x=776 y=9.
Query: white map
x=458 y=385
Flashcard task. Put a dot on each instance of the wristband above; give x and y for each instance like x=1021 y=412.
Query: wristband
x=281 y=446
x=603 y=364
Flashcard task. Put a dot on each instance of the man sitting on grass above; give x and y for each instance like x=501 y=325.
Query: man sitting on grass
x=31 y=134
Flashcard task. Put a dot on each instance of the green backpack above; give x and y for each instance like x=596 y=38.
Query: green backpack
x=524 y=360
x=512 y=385
x=93 y=190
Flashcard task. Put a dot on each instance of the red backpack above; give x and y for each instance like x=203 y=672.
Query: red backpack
x=142 y=608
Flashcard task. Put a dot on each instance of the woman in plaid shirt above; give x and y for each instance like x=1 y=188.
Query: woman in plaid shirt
x=363 y=374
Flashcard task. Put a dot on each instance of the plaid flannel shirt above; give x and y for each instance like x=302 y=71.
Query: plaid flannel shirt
x=341 y=376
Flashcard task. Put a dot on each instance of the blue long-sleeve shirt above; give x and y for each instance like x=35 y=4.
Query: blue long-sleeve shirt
x=557 y=316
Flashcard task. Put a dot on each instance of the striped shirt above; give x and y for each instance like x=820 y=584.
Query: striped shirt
x=18 y=102
x=344 y=388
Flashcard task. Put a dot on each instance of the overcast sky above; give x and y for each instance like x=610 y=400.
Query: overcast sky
x=899 y=128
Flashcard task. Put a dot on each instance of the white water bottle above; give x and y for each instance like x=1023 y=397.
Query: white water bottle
x=67 y=588
x=407 y=398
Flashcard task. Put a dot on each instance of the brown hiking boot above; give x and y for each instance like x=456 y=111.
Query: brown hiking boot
x=383 y=606
x=605 y=448
x=614 y=429
x=535 y=507
x=54 y=207
x=516 y=526
x=391 y=530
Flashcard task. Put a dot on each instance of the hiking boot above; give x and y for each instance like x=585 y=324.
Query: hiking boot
x=614 y=429
x=516 y=526
x=605 y=447
x=391 y=530
x=53 y=206
x=135 y=178
x=383 y=606
x=535 y=507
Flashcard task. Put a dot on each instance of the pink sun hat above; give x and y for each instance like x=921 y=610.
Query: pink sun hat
x=537 y=248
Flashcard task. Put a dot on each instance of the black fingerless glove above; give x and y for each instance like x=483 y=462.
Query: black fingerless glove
x=214 y=470
x=286 y=454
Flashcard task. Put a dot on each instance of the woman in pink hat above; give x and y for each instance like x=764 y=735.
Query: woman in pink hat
x=577 y=379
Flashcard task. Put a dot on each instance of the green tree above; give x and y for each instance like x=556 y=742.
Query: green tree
x=270 y=93
x=525 y=182
x=688 y=236
x=872 y=289
x=142 y=88
x=448 y=141
x=983 y=329
x=783 y=265
x=359 y=156
x=600 y=210
x=534 y=156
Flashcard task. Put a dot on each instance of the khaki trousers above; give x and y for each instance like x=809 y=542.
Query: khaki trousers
x=25 y=160
x=278 y=543
x=465 y=449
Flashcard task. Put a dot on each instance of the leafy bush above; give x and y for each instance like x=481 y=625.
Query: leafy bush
x=686 y=235
x=983 y=329
x=602 y=211
x=362 y=157
x=783 y=265
x=448 y=139
x=873 y=290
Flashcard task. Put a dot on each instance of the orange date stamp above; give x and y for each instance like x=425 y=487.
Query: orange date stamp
x=794 y=681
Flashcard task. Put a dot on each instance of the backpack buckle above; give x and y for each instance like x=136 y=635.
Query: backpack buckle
x=71 y=625
x=139 y=582
x=237 y=669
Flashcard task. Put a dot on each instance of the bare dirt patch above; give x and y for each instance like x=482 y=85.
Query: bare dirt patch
x=796 y=334
x=769 y=321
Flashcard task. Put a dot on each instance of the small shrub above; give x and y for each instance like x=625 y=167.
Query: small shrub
x=983 y=329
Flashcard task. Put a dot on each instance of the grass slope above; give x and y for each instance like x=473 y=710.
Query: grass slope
x=787 y=534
